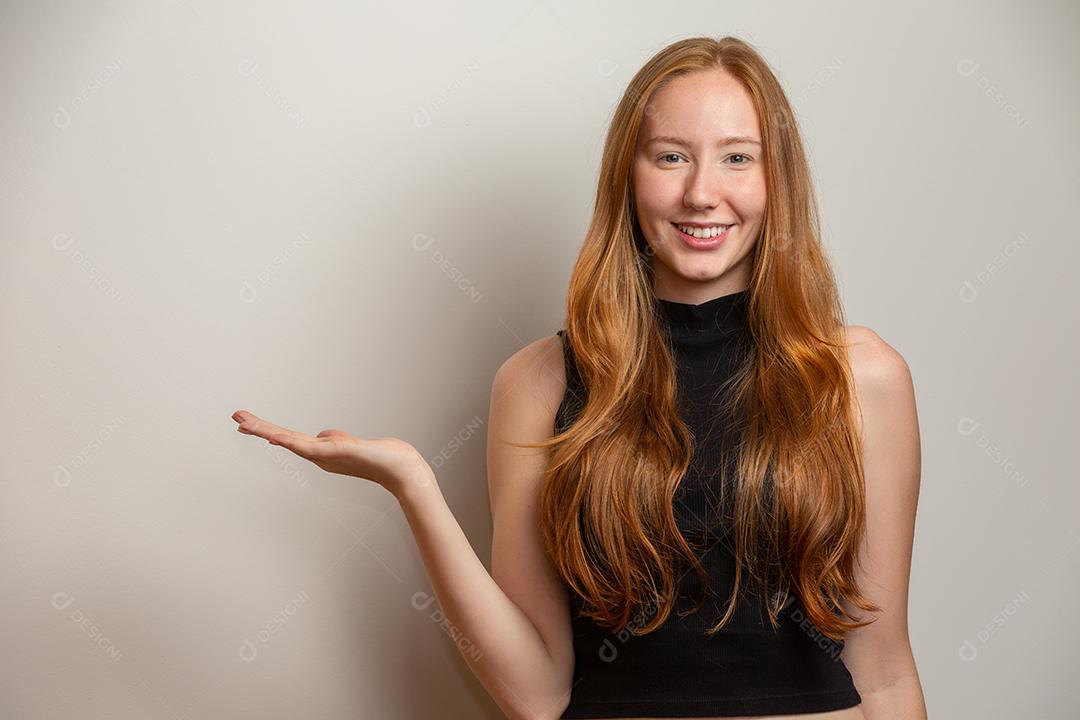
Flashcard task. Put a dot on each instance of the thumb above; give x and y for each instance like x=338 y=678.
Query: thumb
x=332 y=433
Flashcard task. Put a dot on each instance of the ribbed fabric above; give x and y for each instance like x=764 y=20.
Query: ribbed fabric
x=677 y=671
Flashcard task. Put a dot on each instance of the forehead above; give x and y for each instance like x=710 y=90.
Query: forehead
x=701 y=107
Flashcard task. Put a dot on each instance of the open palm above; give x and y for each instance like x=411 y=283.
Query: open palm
x=390 y=462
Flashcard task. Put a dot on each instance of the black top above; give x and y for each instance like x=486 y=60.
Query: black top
x=747 y=668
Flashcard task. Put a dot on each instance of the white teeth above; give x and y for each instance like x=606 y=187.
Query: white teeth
x=703 y=232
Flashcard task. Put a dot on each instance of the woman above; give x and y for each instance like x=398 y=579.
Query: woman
x=704 y=343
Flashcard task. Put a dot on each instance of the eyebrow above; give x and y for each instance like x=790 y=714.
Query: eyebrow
x=733 y=140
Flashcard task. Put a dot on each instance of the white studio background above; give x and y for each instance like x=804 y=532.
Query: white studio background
x=340 y=215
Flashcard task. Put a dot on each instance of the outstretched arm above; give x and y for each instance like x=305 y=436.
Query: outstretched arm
x=512 y=626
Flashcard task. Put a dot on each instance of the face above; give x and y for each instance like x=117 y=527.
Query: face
x=689 y=170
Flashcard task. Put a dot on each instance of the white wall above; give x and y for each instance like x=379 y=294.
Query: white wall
x=347 y=216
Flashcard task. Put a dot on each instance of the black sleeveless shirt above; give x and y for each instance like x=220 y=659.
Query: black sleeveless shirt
x=747 y=668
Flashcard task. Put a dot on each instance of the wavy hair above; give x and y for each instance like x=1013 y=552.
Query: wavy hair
x=606 y=512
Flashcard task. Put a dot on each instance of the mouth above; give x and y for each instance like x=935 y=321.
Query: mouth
x=702 y=237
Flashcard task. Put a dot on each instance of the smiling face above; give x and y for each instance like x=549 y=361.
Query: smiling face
x=699 y=161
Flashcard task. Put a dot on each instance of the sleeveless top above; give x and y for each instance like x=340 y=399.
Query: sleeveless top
x=747 y=668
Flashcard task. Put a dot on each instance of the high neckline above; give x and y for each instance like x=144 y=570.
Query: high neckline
x=721 y=315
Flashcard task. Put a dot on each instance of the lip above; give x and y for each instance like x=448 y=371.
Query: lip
x=702 y=243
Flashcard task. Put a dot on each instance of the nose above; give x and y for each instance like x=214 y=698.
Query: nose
x=704 y=187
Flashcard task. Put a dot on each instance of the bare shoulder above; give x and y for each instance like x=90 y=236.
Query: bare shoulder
x=878 y=367
x=882 y=376
x=534 y=375
x=872 y=359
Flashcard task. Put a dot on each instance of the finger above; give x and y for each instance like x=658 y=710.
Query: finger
x=253 y=425
x=241 y=417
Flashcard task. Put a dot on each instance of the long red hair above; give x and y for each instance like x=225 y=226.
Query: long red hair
x=606 y=510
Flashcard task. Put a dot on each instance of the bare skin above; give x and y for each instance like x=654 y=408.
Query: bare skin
x=699 y=160
x=398 y=467
x=518 y=613
x=390 y=462
x=888 y=690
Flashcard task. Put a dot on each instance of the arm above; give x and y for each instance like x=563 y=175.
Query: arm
x=879 y=656
x=518 y=616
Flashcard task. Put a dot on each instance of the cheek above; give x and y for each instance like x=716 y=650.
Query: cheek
x=651 y=192
x=641 y=193
x=749 y=195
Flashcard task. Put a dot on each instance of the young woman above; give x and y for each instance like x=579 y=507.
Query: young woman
x=719 y=520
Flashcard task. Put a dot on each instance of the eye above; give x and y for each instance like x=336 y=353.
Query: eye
x=668 y=155
x=748 y=158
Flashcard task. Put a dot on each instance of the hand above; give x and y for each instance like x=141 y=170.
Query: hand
x=390 y=462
